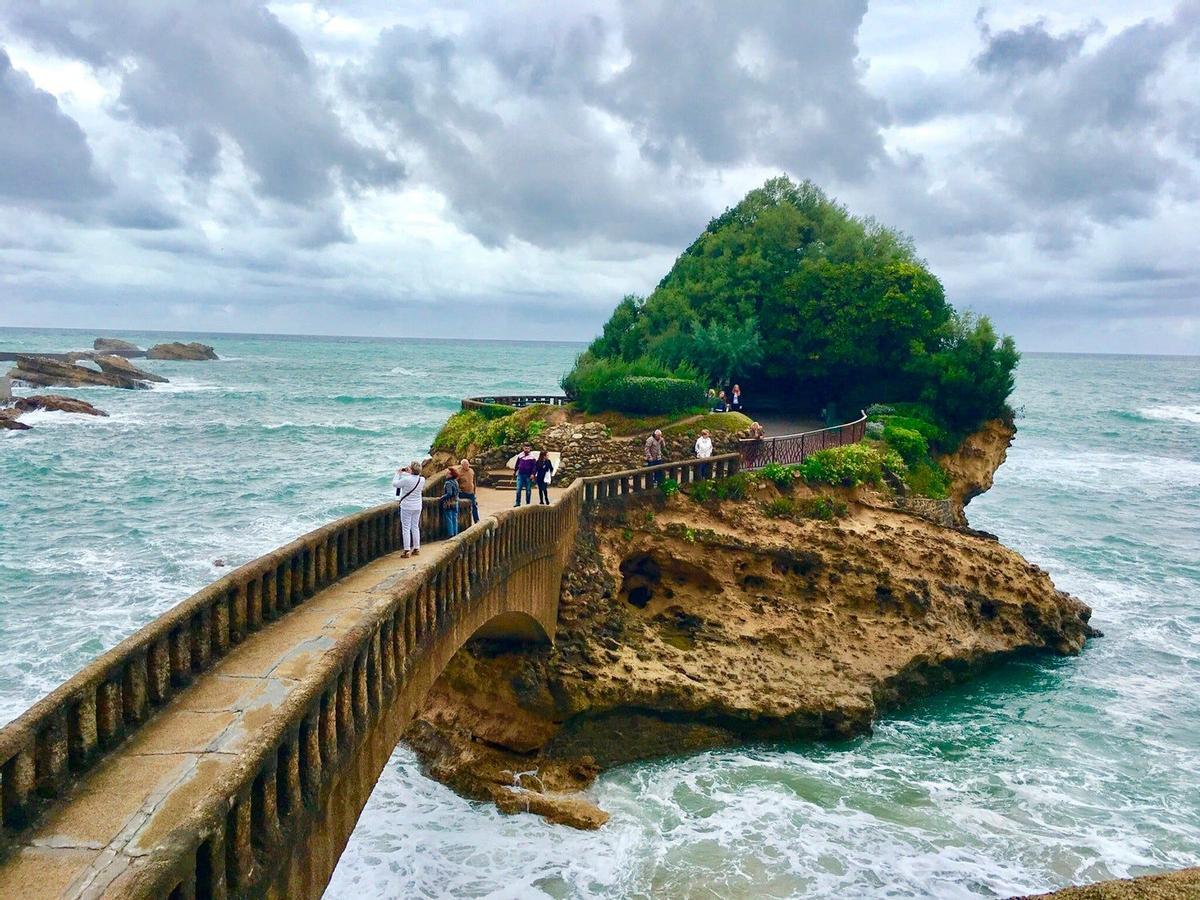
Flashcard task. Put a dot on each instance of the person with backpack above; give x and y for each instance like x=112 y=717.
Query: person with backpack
x=409 y=484
x=449 y=503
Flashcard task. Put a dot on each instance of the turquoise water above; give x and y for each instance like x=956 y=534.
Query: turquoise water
x=1040 y=774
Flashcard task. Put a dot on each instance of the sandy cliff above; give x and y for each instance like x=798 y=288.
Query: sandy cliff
x=686 y=626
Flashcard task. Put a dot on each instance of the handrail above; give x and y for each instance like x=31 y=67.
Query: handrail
x=75 y=725
x=517 y=401
x=792 y=449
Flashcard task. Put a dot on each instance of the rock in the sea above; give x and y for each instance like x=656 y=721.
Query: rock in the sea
x=177 y=350
x=9 y=421
x=56 y=402
x=108 y=345
x=42 y=371
x=119 y=365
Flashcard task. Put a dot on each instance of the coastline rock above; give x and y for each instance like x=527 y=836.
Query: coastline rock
x=687 y=626
x=1181 y=885
x=40 y=371
x=107 y=345
x=8 y=415
x=119 y=365
x=973 y=465
x=178 y=350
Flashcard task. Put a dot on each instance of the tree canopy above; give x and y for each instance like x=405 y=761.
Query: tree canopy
x=789 y=292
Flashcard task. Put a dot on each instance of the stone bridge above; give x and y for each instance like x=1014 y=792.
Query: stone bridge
x=228 y=747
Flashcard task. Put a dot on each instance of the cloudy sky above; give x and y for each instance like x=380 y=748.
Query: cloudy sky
x=509 y=170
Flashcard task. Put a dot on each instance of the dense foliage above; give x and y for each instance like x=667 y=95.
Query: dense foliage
x=789 y=293
x=483 y=429
x=852 y=465
x=641 y=385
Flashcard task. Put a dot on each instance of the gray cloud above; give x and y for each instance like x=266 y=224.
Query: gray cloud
x=214 y=71
x=45 y=160
x=1030 y=48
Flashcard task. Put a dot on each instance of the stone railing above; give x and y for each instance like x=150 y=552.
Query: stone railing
x=647 y=478
x=225 y=847
x=791 y=449
x=517 y=401
x=69 y=729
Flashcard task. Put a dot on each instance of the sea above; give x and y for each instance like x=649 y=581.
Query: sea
x=1041 y=773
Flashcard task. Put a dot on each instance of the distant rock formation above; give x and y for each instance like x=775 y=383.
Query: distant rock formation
x=119 y=365
x=108 y=345
x=42 y=371
x=8 y=415
x=178 y=350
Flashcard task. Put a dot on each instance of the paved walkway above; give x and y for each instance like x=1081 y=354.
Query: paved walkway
x=120 y=809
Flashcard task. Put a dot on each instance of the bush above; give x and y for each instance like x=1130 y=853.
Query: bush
x=824 y=508
x=669 y=487
x=851 y=465
x=779 y=508
x=731 y=488
x=643 y=385
x=495 y=410
x=471 y=427
x=778 y=474
x=911 y=445
x=928 y=479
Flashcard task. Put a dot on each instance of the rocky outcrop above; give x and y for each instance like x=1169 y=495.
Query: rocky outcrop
x=42 y=371
x=1181 y=885
x=685 y=626
x=178 y=350
x=108 y=345
x=118 y=365
x=9 y=415
x=973 y=465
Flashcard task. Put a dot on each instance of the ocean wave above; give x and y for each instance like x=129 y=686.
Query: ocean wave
x=1189 y=415
x=53 y=418
x=186 y=386
x=400 y=370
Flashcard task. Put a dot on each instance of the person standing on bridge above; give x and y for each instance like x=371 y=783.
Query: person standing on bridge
x=526 y=469
x=409 y=484
x=542 y=474
x=466 y=487
x=449 y=502
x=704 y=451
x=654 y=452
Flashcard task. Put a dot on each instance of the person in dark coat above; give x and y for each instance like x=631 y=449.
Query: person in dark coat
x=449 y=503
x=542 y=475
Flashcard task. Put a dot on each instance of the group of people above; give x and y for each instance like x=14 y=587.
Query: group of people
x=532 y=470
x=730 y=401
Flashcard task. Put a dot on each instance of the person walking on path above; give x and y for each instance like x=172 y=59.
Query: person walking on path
x=542 y=474
x=704 y=451
x=526 y=468
x=449 y=503
x=735 y=399
x=409 y=484
x=654 y=452
x=466 y=487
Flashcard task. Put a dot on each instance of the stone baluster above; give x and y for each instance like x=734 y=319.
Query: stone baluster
x=135 y=689
x=82 y=734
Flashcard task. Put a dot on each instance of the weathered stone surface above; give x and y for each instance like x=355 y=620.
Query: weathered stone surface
x=9 y=421
x=1181 y=885
x=178 y=350
x=973 y=465
x=56 y=402
x=119 y=365
x=107 y=345
x=44 y=372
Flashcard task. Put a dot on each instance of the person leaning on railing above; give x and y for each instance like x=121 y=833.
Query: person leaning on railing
x=408 y=484
x=449 y=502
x=654 y=453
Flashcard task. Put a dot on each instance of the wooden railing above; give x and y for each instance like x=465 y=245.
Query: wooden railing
x=637 y=481
x=517 y=401
x=791 y=449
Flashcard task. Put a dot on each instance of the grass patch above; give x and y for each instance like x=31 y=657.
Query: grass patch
x=482 y=429
x=728 y=422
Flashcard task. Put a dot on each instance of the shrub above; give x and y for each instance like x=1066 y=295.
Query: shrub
x=494 y=410
x=824 y=508
x=779 y=508
x=669 y=487
x=928 y=479
x=911 y=445
x=472 y=427
x=642 y=385
x=702 y=491
x=851 y=465
x=778 y=474
x=731 y=488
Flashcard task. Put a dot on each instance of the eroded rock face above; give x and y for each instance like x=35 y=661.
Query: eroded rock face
x=41 y=371
x=8 y=415
x=683 y=627
x=178 y=350
x=108 y=345
x=119 y=365
x=973 y=466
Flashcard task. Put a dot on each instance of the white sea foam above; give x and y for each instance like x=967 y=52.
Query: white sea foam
x=1187 y=414
x=186 y=386
x=53 y=418
x=400 y=370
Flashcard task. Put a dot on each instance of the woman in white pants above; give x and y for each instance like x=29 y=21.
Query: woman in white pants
x=409 y=484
